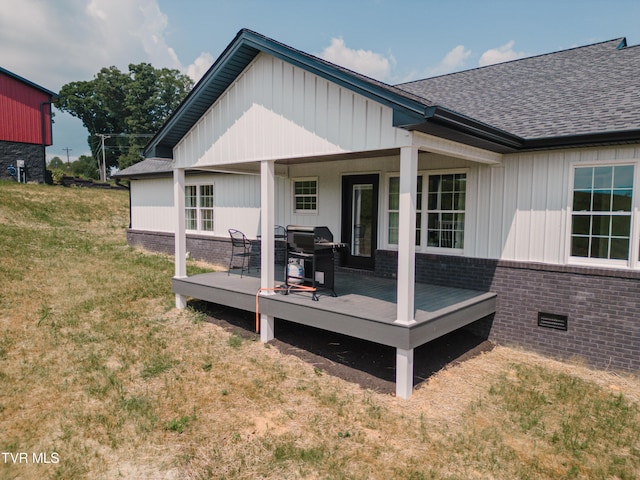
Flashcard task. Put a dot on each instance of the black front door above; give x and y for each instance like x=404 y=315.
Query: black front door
x=360 y=219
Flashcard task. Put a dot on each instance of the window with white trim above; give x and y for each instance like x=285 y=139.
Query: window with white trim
x=305 y=195
x=602 y=211
x=199 y=211
x=445 y=210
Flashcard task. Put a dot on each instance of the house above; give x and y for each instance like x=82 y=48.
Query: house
x=25 y=128
x=504 y=199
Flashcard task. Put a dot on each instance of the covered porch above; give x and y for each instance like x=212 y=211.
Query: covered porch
x=268 y=111
x=396 y=311
x=365 y=308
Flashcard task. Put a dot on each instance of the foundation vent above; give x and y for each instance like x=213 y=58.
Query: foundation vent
x=553 y=320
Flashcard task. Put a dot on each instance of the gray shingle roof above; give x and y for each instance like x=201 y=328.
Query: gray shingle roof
x=584 y=90
x=147 y=167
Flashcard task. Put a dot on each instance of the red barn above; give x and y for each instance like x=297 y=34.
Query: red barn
x=25 y=128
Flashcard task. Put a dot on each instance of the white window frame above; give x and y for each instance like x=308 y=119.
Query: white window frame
x=424 y=212
x=634 y=247
x=294 y=196
x=198 y=208
x=386 y=211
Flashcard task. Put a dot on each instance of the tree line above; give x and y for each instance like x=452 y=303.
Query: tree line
x=85 y=166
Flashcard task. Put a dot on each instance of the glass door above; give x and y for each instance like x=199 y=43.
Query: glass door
x=360 y=219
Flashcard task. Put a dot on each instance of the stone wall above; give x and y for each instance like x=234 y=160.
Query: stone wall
x=32 y=155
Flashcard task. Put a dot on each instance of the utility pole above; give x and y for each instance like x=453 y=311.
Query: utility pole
x=103 y=167
x=67 y=150
x=103 y=136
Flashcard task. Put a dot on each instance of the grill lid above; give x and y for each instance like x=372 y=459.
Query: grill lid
x=308 y=238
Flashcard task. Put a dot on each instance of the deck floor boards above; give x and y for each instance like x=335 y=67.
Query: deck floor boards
x=364 y=308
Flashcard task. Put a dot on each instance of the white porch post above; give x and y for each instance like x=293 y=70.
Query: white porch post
x=180 y=231
x=407 y=235
x=406 y=264
x=267 y=255
x=404 y=373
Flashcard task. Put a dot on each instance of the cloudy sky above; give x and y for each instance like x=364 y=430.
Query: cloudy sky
x=53 y=42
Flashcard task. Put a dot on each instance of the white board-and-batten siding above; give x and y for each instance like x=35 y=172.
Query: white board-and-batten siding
x=522 y=208
x=152 y=205
x=236 y=203
x=519 y=210
x=275 y=110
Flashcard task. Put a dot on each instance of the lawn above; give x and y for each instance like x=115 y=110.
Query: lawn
x=102 y=378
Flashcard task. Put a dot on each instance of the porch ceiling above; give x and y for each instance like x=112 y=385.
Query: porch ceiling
x=425 y=143
x=254 y=167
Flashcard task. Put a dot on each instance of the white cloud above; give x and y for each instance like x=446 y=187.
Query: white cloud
x=53 y=43
x=200 y=66
x=452 y=61
x=501 y=54
x=366 y=62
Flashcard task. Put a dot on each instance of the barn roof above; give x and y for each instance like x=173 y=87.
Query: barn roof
x=28 y=82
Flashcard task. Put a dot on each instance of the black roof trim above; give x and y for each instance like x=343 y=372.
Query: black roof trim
x=584 y=140
x=28 y=82
x=467 y=125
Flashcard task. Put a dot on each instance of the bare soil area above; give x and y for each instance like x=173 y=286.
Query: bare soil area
x=368 y=364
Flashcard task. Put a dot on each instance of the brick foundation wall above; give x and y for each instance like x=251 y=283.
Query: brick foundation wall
x=11 y=152
x=602 y=305
x=213 y=250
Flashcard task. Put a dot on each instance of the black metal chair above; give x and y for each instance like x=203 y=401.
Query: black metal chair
x=243 y=248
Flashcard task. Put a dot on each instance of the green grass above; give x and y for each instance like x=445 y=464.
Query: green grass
x=97 y=366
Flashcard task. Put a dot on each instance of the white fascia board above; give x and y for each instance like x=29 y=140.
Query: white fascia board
x=450 y=148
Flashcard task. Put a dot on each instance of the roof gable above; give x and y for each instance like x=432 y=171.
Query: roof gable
x=582 y=96
x=239 y=54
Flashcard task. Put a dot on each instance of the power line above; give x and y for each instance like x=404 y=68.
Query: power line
x=102 y=164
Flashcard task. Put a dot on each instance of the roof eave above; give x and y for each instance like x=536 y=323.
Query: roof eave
x=140 y=176
x=446 y=123
x=583 y=140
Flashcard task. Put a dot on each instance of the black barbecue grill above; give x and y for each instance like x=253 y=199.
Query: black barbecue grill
x=310 y=251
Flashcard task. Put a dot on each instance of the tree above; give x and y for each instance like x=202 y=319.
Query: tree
x=85 y=167
x=56 y=162
x=126 y=105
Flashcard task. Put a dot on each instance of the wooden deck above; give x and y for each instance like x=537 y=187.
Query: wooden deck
x=364 y=308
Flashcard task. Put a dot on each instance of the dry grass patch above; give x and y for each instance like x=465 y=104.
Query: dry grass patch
x=98 y=367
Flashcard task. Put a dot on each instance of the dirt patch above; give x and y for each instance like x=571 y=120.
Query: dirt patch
x=368 y=364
